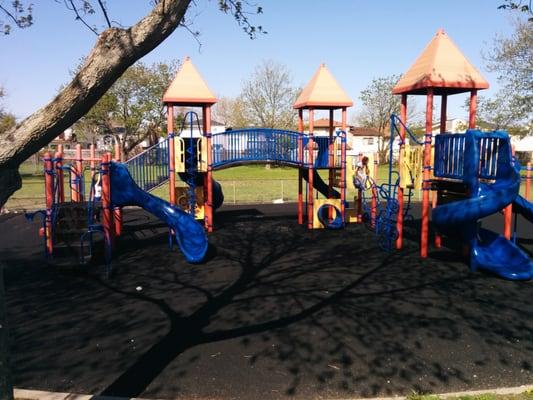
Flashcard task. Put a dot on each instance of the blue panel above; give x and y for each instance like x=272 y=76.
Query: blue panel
x=190 y=235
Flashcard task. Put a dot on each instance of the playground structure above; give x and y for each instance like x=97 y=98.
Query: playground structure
x=194 y=158
x=72 y=216
x=473 y=175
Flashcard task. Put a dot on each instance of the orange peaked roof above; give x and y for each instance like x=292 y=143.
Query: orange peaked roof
x=188 y=87
x=443 y=67
x=323 y=91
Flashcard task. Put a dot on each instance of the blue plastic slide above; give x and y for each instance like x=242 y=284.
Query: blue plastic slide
x=190 y=235
x=489 y=251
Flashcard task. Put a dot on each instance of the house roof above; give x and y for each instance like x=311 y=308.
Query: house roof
x=323 y=91
x=324 y=123
x=359 y=131
x=443 y=67
x=188 y=87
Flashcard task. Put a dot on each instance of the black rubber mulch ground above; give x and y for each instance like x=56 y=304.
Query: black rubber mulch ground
x=276 y=311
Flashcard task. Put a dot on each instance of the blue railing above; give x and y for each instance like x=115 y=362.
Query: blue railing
x=255 y=145
x=450 y=150
x=150 y=168
x=449 y=155
x=490 y=154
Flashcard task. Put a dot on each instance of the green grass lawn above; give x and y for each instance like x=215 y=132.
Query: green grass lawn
x=528 y=395
x=243 y=184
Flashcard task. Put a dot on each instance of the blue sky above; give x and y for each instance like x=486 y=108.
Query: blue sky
x=357 y=39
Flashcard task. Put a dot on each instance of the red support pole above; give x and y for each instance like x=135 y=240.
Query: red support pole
x=343 y=167
x=92 y=154
x=528 y=180
x=300 y=170
x=59 y=173
x=117 y=211
x=508 y=217
x=399 y=217
x=473 y=108
x=360 y=196
x=49 y=193
x=373 y=211
x=209 y=203
x=171 y=154
x=443 y=116
x=107 y=222
x=331 y=162
x=425 y=184
x=79 y=171
x=310 y=190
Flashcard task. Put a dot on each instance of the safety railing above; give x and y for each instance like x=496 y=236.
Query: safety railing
x=150 y=168
x=255 y=145
x=449 y=155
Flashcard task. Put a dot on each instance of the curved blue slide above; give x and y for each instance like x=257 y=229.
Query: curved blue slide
x=488 y=250
x=190 y=235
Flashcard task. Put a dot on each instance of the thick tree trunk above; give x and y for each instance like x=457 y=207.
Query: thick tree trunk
x=6 y=386
x=115 y=50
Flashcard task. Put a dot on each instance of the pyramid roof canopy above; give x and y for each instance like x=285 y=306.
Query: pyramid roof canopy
x=323 y=91
x=443 y=67
x=188 y=87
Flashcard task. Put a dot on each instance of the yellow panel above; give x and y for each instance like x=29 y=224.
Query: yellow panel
x=317 y=203
x=202 y=154
x=179 y=154
x=182 y=197
x=411 y=168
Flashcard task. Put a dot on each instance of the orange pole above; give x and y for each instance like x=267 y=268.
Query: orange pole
x=107 y=222
x=171 y=154
x=399 y=218
x=92 y=154
x=49 y=193
x=508 y=217
x=60 y=182
x=443 y=116
x=209 y=204
x=472 y=109
x=310 y=190
x=117 y=211
x=343 y=167
x=300 y=171
x=331 y=163
x=373 y=211
x=528 y=180
x=425 y=184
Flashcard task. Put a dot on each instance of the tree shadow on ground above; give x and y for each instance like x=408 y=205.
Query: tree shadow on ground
x=279 y=311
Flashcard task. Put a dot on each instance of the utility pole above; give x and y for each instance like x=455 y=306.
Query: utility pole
x=6 y=387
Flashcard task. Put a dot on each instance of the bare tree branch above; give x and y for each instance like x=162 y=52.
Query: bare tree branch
x=104 y=11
